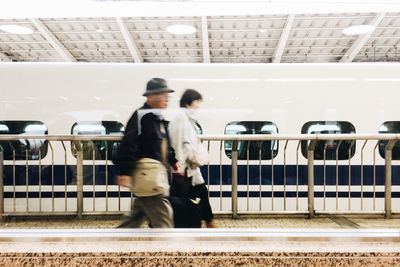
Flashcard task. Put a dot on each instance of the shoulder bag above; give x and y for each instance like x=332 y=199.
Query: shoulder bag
x=150 y=176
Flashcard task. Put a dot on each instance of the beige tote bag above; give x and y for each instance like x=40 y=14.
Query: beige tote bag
x=150 y=176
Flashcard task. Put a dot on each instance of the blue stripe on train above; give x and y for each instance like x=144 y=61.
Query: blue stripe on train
x=254 y=176
x=292 y=174
x=62 y=194
x=216 y=194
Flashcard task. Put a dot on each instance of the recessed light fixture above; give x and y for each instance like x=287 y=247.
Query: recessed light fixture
x=263 y=30
x=358 y=29
x=16 y=29
x=181 y=29
x=99 y=30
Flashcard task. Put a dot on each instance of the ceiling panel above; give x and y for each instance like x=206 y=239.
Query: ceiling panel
x=231 y=39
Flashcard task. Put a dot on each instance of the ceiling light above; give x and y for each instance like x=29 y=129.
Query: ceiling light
x=181 y=29
x=10 y=28
x=99 y=30
x=262 y=30
x=359 y=29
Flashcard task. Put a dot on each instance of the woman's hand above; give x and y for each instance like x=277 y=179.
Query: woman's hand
x=193 y=163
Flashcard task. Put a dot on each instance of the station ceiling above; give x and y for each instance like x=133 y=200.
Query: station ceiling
x=283 y=38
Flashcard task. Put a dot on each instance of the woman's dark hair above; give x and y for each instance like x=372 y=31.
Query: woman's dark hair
x=188 y=97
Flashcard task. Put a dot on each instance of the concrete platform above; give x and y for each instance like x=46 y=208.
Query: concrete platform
x=249 y=241
x=200 y=247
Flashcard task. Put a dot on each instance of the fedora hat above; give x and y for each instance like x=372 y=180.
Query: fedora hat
x=156 y=86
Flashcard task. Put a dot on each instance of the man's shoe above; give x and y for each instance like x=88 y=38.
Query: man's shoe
x=211 y=224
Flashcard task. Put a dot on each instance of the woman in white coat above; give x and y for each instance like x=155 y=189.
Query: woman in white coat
x=189 y=152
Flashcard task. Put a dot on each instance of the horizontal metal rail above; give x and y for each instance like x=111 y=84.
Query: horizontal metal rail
x=244 y=137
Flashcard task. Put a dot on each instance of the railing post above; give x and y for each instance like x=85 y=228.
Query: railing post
x=79 y=178
x=310 y=178
x=234 y=180
x=1 y=183
x=388 y=178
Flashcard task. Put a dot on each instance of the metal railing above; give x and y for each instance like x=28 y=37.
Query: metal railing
x=280 y=168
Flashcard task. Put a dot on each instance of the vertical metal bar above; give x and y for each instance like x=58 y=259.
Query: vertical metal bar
x=388 y=178
x=1 y=183
x=65 y=177
x=272 y=176
x=27 y=179
x=106 y=175
x=94 y=175
x=14 y=183
x=337 y=174
x=40 y=179
x=208 y=169
x=248 y=175
x=325 y=146
x=119 y=198
x=284 y=175
x=310 y=177
x=374 y=182
x=362 y=174
x=79 y=178
x=52 y=176
x=260 y=173
x=349 y=191
x=220 y=175
x=234 y=180
x=297 y=175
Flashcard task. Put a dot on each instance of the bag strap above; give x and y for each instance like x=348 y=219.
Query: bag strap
x=164 y=146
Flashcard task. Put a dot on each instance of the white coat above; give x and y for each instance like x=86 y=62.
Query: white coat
x=185 y=142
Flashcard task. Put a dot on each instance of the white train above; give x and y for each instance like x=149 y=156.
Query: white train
x=85 y=98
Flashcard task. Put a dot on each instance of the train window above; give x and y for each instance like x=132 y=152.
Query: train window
x=98 y=149
x=331 y=149
x=252 y=150
x=390 y=127
x=4 y=129
x=23 y=149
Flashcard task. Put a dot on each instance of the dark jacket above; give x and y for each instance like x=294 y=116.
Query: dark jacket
x=143 y=141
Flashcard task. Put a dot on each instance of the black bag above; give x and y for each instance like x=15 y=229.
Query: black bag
x=181 y=186
x=187 y=214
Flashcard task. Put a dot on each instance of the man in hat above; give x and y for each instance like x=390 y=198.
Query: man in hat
x=143 y=139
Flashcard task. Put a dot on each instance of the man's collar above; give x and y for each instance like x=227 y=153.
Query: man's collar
x=146 y=106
